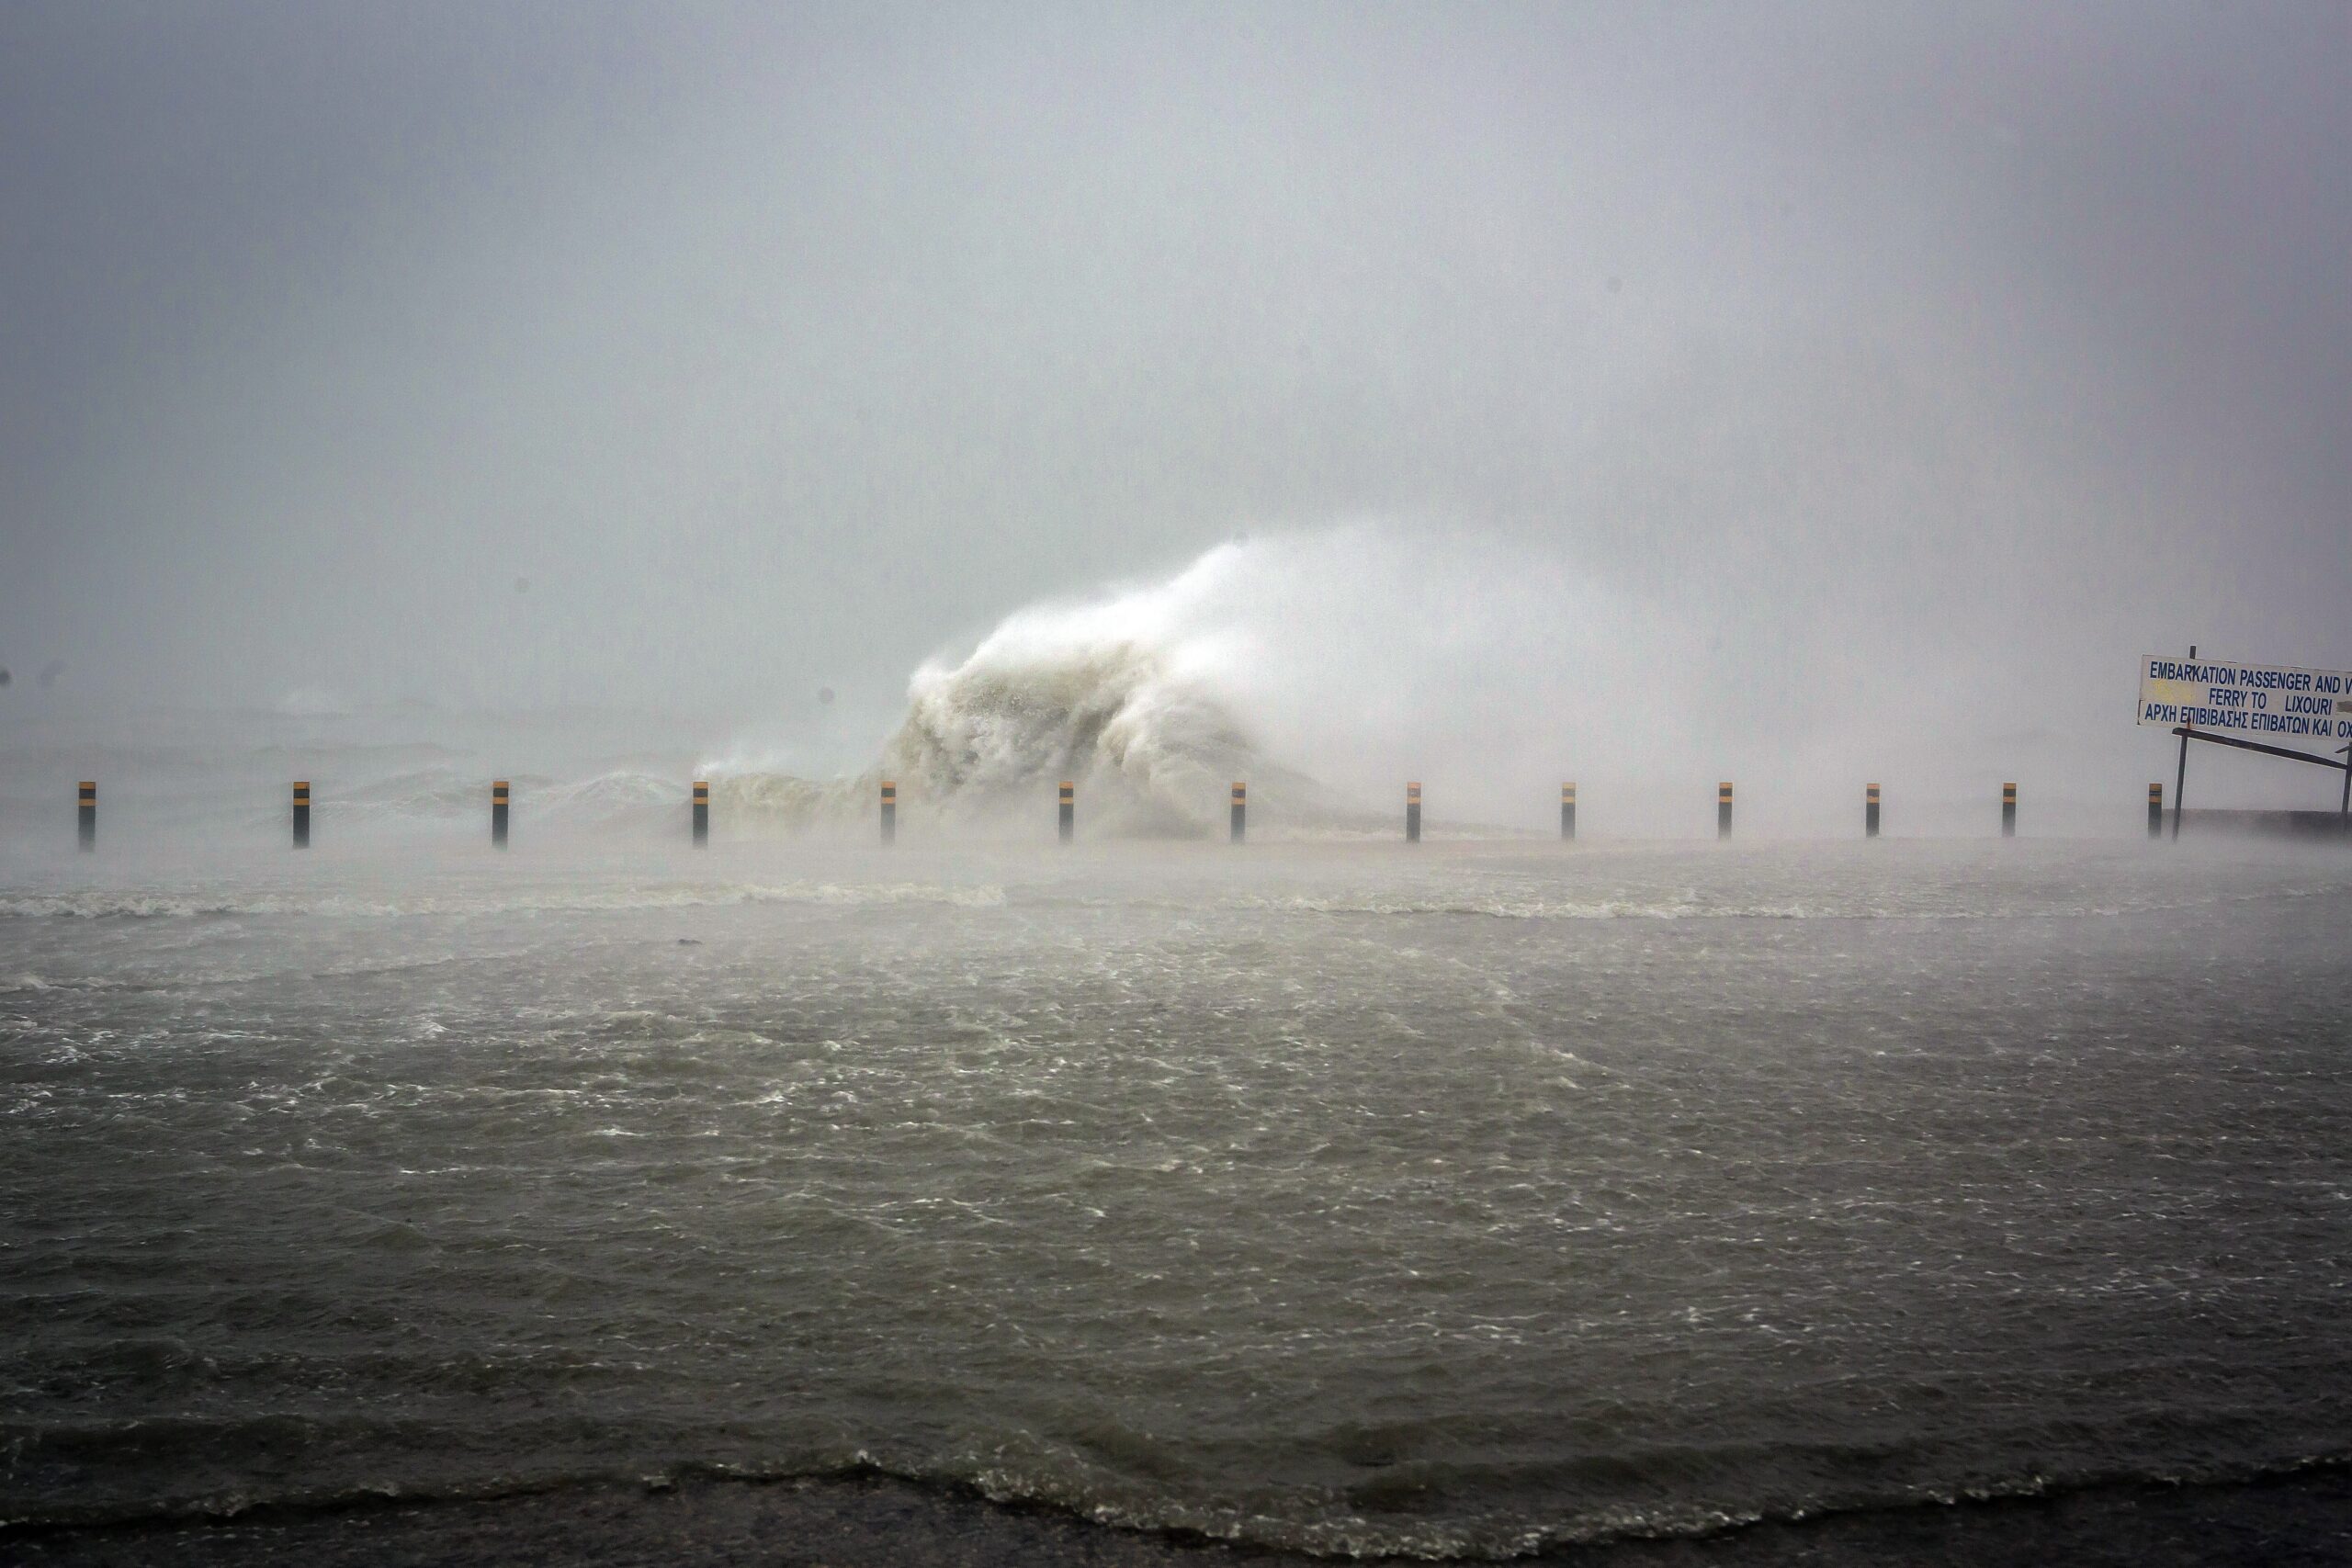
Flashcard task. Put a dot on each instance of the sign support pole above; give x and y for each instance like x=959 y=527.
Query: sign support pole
x=2226 y=704
x=2180 y=774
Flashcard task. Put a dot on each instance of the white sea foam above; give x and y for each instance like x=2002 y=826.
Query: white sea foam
x=1556 y=908
x=135 y=905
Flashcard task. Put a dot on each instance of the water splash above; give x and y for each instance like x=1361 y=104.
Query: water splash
x=1130 y=697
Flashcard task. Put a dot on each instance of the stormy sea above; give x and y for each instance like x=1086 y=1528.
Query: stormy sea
x=978 y=1198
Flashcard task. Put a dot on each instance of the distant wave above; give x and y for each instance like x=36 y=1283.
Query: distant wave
x=444 y=792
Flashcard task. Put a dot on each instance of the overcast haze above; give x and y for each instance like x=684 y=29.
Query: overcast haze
x=700 y=356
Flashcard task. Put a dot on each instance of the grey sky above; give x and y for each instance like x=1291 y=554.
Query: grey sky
x=777 y=345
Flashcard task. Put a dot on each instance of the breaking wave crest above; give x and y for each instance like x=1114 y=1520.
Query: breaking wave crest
x=1093 y=698
x=1125 y=697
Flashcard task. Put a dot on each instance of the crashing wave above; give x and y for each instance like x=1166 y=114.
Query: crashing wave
x=1150 y=750
x=1122 y=697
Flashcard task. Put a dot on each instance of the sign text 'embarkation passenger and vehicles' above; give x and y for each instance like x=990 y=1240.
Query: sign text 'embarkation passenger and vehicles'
x=2269 y=701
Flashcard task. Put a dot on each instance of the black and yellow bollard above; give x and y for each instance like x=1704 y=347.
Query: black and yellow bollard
x=1870 y=811
x=1568 y=811
x=702 y=812
x=498 y=813
x=1723 y=809
x=889 y=812
x=2155 y=811
x=1240 y=811
x=2008 y=812
x=1069 y=811
x=302 y=814
x=1413 y=813
x=87 y=814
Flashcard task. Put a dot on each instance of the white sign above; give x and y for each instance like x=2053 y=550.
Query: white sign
x=2261 y=701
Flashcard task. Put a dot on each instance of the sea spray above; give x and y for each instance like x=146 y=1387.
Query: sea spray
x=1127 y=695
x=1319 y=666
x=1094 y=697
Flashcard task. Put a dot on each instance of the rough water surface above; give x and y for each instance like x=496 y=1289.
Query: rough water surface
x=1475 y=1200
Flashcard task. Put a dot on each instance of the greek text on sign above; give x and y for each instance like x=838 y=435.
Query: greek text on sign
x=2266 y=700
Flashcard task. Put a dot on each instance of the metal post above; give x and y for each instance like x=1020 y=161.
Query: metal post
x=2008 y=812
x=889 y=812
x=302 y=814
x=2180 y=774
x=1723 y=809
x=1568 y=811
x=1413 y=813
x=1240 y=811
x=498 y=813
x=1870 y=811
x=1069 y=811
x=702 y=812
x=2156 y=810
x=87 y=814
